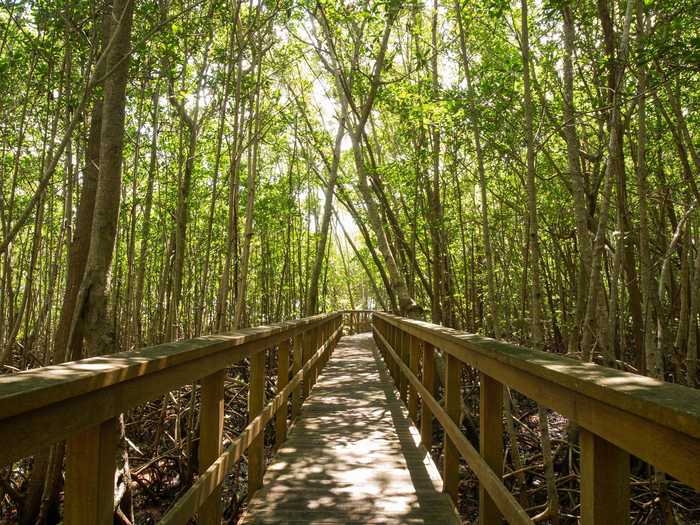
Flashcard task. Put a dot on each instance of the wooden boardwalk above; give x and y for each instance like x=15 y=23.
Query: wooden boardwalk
x=352 y=456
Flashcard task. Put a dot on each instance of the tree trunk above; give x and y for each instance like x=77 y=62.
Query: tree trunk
x=312 y=297
x=577 y=183
x=493 y=319
x=537 y=327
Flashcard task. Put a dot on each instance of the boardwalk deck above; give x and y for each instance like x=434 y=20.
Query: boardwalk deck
x=353 y=456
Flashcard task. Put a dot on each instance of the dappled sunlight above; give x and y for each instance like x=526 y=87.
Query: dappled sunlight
x=643 y=396
x=353 y=455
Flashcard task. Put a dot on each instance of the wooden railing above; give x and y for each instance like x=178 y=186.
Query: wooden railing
x=618 y=414
x=358 y=321
x=79 y=402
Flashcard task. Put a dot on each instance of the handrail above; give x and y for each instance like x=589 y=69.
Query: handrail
x=619 y=413
x=207 y=482
x=79 y=401
x=358 y=320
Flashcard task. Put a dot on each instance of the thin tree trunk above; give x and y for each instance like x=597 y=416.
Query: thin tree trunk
x=493 y=319
x=241 y=305
x=552 y=511
x=312 y=297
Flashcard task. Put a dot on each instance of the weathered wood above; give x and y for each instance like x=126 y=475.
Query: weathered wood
x=256 y=401
x=211 y=427
x=618 y=406
x=585 y=393
x=353 y=456
x=282 y=381
x=391 y=335
x=90 y=465
x=46 y=405
x=490 y=441
x=315 y=344
x=426 y=418
x=505 y=501
x=403 y=351
x=297 y=364
x=306 y=344
x=39 y=387
x=453 y=408
x=186 y=506
x=605 y=481
x=414 y=360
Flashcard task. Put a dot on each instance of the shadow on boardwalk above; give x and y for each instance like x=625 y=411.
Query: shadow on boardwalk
x=353 y=456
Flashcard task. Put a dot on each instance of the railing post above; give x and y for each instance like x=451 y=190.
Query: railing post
x=316 y=339
x=297 y=364
x=282 y=380
x=90 y=466
x=605 y=481
x=426 y=417
x=403 y=380
x=453 y=395
x=414 y=357
x=491 y=441
x=211 y=428
x=256 y=401
x=397 y=348
x=390 y=332
x=326 y=332
x=307 y=342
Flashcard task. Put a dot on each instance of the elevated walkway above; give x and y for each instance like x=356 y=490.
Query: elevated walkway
x=353 y=455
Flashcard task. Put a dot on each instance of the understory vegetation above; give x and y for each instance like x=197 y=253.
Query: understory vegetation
x=523 y=170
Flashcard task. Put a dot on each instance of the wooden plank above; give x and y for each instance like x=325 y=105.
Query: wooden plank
x=374 y=470
x=505 y=501
x=403 y=351
x=90 y=466
x=426 y=418
x=282 y=381
x=391 y=332
x=40 y=387
x=306 y=344
x=211 y=427
x=491 y=441
x=453 y=409
x=25 y=434
x=605 y=481
x=256 y=401
x=316 y=344
x=297 y=364
x=644 y=396
x=414 y=360
x=186 y=506
x=608 y=402
x=101 y=388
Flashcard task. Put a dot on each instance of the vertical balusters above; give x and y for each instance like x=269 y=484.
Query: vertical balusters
x=256 y=401
x=282 y=380
x=453 y=396
x=413 y=357
x=211 y=428
x=605 y=481
x=428 y=379
x=297 y=363
x=307 y=342
x=90 y=466
x=397 y=349
x=491 y=440
x=402 y=350
x=316 y=343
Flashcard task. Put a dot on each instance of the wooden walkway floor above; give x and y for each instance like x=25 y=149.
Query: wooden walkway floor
x=353 y=456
